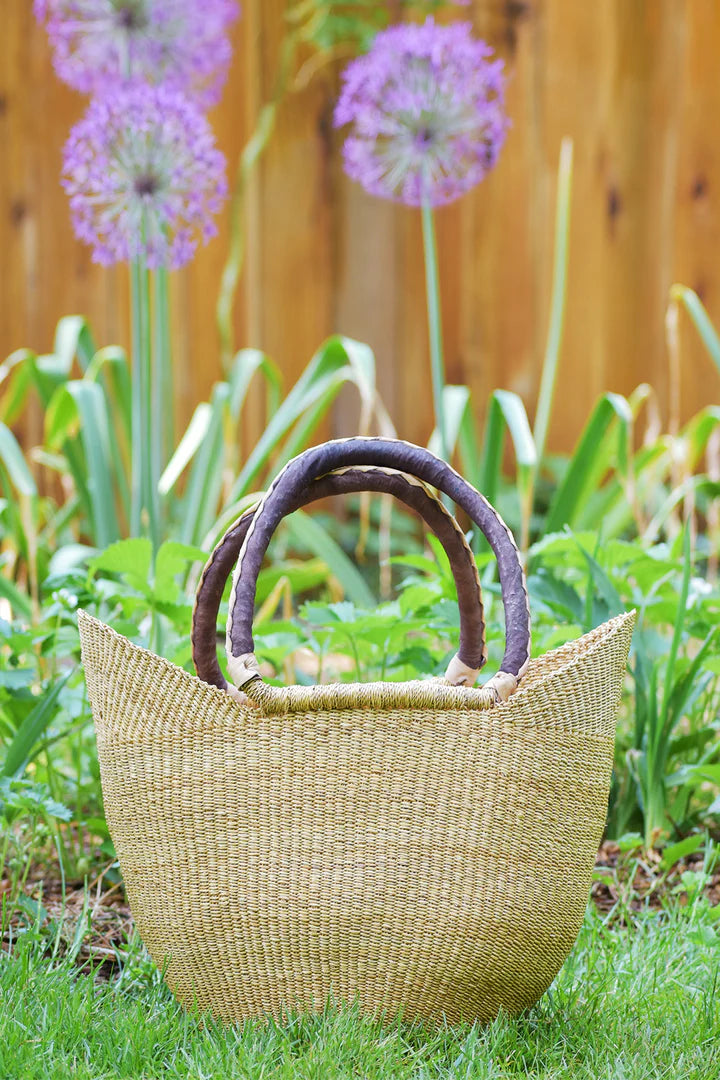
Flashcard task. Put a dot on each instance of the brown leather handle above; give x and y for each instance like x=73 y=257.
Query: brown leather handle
x=386 y=453
x=472 y=652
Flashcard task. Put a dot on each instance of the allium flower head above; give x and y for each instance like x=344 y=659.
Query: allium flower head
x=426 y=105
x=144 y=176
x=182 y=43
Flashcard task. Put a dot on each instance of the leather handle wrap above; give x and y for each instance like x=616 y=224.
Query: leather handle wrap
x=472 y=652
x=393 y=454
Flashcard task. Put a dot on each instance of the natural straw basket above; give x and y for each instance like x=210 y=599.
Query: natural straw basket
x=425 y=848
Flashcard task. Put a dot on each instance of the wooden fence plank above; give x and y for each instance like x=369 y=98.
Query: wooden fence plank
x=696 y=236
x=634 y=82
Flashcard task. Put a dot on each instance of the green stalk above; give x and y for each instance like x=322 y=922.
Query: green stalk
x=432 y=288
x=655 y=801
x=144 y=511
x=163 y=397
x=147 y=419
x=137 y=416
x=557 y=305
x=681 y=294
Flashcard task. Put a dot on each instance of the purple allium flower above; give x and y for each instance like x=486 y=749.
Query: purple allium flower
x=426 y=105
x=144 y=176
x=180 y=42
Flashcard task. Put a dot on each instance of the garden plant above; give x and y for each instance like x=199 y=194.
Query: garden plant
x=115 y=512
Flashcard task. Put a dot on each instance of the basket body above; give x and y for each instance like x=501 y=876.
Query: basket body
x=434 y=863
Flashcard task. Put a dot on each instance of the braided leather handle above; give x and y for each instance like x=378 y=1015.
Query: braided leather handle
x=472 y=653
x=393 y=454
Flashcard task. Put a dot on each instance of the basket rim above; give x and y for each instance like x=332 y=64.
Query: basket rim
x=445 y=698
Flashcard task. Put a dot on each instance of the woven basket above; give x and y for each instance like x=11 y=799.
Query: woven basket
x=425 y=848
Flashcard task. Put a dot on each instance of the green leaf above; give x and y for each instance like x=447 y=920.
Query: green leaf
x=360 y=372
x=700 y=318
x=703 y=935
x=204 y=484
x=173 y=558
x=101 y=481
x=24 y=371
x=693 y=740
x=61 y=419
x=697 y=432
x=12 y=458
x=506 y=411
x=693 y=484
x=631 y=841
x=468 y=442
x=595 y=453
x=683 y=686
x=17 y=678
x=602 y=583
x=302 y=577
x=306 y=530
x=17 y=377
x=246 y=364
x=344 y=611
x=677 y=630
x=460 y=431
x=70 y=556
x=80 y=407
x=195 y=434
x=302 y=433
x=416 y=597
x=73 y=338
x=23 y=744
x=675 y=852
x=558 y=594
x=19 y=601
x=111 y=371
x=610 y=506
x=418 y=562
x=132 y=558
x=338 y=361
x=706 y=772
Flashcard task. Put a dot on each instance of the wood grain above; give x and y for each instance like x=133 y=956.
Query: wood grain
x=634 y=82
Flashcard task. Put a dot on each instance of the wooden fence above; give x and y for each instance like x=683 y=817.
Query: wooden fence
x=636 y=83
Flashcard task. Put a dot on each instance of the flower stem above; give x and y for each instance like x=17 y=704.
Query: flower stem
x=432 y=286
x=163 y=397
x=144 y=494
x=136 y=503
x=557 y=305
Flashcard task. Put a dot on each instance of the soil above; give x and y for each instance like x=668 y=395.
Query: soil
x=628 y=883
x=56 y=914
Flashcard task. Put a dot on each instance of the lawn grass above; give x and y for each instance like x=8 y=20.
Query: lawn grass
x=631 y=1004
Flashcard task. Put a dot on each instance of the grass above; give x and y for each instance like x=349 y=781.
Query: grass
x=630 y=1004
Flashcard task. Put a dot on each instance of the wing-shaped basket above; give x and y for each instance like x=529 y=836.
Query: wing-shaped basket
x=425 y=848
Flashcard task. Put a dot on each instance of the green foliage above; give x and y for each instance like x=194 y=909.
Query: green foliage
x=25 y=741
x=672 y=725
x=87 y=405
x=331 y=626
x=28 y=819
x=640 y=1004
x=330 y=25
x=626 y=505
x=681 y=294
x=606 y=484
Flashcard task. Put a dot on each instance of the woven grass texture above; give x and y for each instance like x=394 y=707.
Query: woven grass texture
x=432 y=862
